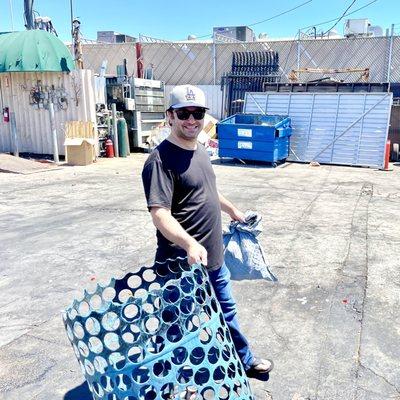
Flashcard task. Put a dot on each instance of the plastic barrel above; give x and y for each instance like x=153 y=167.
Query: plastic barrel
x=123 y=142
x=158 y=333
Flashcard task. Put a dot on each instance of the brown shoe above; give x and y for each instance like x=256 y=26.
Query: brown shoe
x=260 y=368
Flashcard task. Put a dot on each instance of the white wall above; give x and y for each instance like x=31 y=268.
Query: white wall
x=33 y=123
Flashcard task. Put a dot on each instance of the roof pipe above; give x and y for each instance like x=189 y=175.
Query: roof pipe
x=28 y=13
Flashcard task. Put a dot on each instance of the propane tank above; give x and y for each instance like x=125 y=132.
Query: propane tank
x=123 y=140
x=109 y=148
x=6 y=114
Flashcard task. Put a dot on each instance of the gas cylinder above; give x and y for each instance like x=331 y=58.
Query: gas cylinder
x=109 y=148
x=123 y=140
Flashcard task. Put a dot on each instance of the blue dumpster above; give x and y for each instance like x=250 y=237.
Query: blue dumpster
x=156 y=334
x=255 y=137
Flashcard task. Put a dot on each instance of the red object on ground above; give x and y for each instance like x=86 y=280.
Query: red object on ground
x=387 y=155
x=109 y=148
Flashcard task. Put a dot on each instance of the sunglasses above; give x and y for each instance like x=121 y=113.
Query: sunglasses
x=184 y=114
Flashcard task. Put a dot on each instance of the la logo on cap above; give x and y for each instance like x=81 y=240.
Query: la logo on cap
x=190 y=94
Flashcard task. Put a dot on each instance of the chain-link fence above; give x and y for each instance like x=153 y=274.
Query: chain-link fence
x=176 y=63
x=114 y=53
x=206 y=63
x=393 y=61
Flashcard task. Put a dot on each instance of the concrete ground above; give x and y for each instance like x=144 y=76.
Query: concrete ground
x=332 y=236
x=19 y=165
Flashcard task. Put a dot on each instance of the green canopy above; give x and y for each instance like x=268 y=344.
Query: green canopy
x=34 y=51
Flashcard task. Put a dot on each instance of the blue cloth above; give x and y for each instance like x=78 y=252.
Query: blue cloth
x=243 y=253
x=220 y=280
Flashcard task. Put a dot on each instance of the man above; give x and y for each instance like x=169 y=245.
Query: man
x=181 y=193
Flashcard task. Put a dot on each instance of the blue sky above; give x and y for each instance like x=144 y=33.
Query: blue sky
x=175 y=20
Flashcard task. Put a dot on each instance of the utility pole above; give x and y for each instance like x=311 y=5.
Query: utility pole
x=76 y=46
x=28 y=11
x=76 y=35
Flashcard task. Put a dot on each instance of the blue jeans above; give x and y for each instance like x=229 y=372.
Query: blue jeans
x=220 y=280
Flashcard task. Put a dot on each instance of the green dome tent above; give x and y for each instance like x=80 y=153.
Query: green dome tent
x=34 y=51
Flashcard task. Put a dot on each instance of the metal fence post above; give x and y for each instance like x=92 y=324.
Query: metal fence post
x=298 y=53
x=298 y=49
x=214 y=62
x=389 y=69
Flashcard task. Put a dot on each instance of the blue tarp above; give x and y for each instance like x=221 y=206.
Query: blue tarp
x=243 y=253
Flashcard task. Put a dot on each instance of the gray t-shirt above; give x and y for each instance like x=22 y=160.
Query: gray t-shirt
x=184 y=182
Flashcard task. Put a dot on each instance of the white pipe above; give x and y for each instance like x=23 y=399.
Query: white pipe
x=14 y=134
x=53 y=133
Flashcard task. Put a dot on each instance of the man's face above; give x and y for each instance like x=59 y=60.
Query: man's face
x=187 y=122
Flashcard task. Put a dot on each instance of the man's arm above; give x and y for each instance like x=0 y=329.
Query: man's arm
x=173 y=231
x=230 y=209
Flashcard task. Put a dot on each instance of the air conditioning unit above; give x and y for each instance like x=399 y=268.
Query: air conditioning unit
x=356 y=27
x=375 y=31
x=241 y=33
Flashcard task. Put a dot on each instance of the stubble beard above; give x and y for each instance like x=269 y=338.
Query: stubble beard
x=188 y=136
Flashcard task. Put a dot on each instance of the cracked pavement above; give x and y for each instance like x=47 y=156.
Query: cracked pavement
x=331 y=235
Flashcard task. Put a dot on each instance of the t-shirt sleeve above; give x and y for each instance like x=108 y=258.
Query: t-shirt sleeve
x=158 y=185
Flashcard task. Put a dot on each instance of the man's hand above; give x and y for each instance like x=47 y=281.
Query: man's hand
x=196 y=253
x=237 y=215
x=230 y=209
x=173 y=231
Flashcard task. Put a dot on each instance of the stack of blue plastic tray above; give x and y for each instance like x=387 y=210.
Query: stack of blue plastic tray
x=255 y=137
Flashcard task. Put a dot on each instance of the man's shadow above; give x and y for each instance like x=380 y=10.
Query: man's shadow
x=81 y=392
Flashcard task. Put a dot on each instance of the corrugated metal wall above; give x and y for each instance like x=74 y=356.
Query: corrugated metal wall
x=33 y=123
x=213 y=98
x=327 y=126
